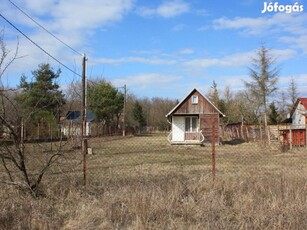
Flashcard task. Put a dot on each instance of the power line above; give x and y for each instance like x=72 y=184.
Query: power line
x=44 y=28
x=61 y=63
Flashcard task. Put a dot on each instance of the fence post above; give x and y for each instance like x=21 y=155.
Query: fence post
x=83 y=130
x=22 y=126
x=290 y=137
x=247 y=134
x=213 y=150
x=269 y=136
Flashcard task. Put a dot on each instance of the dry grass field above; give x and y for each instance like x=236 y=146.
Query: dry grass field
x=143 y=182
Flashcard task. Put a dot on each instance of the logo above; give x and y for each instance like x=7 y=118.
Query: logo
x=276 y=7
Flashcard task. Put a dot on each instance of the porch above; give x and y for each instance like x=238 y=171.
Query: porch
x=190 y=138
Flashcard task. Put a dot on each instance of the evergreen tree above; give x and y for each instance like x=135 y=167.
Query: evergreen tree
x=273 y=115
x=105 y=101
x=138 y=114
x=42 y=97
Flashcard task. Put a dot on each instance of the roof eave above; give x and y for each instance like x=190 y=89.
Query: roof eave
x=171 y=112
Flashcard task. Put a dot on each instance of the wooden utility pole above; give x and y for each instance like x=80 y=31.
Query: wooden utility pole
x=124 y=115
x=84 y=139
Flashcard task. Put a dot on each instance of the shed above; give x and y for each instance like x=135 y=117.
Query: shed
x=194 y=119
x=295 y=135
x=72 y=124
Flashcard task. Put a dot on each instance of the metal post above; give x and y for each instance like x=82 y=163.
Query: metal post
x=84 y=139
x=22 y=137
x=290 y=137
x=124 y=115
x=213 y=149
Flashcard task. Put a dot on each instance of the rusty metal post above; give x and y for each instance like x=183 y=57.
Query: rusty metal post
x=213 y=149
x=22 y=134
x=290 y=137
x=124 y=113
x=84 y=139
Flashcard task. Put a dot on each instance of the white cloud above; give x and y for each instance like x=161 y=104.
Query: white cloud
x=166 y=10
x=300 y=79
x=73 y=21
x=186 y=51
x=179 y=27
x=237 y=60
x=40 y=7
x=278 y=21
x=283 y=55
x=72 y=14
x=146 y=80
x=149 y=61
x=288 y=28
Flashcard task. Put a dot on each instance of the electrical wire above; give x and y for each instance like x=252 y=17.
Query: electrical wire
x=34 y=43
x=45 y=28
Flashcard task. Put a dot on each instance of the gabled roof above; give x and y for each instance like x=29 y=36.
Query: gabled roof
x=189 y=94
x=301 y=100
x=76 y=115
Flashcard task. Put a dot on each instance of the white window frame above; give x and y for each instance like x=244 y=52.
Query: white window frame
x=190 y=128
x=194 y=99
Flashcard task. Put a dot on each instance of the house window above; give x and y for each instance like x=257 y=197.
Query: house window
x=194 y=99
x=191 y=124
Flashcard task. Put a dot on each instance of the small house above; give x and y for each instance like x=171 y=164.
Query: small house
x=194 y=120
x=72 y=125
x=295 y=135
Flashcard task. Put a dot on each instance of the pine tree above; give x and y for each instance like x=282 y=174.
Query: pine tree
x=138 y=115
x=273 y=115
x=42 y=97
x=105 y=101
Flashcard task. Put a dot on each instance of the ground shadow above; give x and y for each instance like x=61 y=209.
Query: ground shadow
x=234 y=142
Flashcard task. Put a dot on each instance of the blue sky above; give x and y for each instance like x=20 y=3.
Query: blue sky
x=160 y=48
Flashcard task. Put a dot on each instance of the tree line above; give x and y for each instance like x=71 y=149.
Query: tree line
x=110 y=104
x=260 y=102
x=42 y=103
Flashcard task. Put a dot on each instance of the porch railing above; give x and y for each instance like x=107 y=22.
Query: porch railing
x=189 y=137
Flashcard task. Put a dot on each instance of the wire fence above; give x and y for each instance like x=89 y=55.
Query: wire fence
x=145 y=182
x=151 y=155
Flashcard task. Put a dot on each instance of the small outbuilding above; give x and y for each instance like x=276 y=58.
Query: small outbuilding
x=194 y=120
x=295 y=135
x=72 y=123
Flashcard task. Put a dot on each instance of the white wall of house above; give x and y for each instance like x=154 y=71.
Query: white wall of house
x=178 y=128
x=298 y=119
x=74 y=129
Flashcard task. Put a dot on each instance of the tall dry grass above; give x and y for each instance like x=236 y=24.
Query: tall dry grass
x=144 y=183
x=164 y=202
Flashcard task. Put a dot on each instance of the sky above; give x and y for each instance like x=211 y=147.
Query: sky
x=157 y=48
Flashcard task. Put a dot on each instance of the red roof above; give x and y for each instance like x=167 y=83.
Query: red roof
x=303 y=101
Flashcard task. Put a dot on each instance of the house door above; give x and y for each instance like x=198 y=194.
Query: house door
x=178 y=127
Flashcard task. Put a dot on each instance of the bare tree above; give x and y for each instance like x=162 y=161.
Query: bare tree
x=264 y=77
x=293 y=94
x=22 y=165
x=283 y=105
